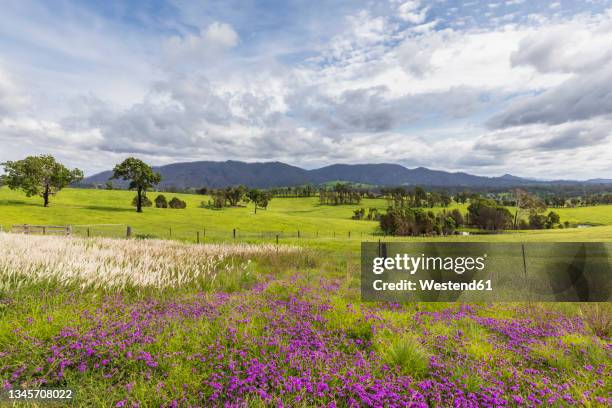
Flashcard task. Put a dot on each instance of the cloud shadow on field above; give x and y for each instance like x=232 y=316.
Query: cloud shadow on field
x=113 y=209
x=19 y=202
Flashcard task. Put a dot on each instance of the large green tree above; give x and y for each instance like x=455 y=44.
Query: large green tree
x=139 y=174
x=39 y=176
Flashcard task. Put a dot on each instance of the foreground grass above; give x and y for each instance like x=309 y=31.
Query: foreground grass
x=120 y=264
x=294 y=333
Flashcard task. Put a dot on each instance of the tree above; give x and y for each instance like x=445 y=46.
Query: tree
x=552 y=219
x=527 y=202
x=487 y=214
x=457 y=217
x=446 y=199
x=39 y=176
x=537 y=221
x=140 y=175
x=419 y=196
x=410 y=221
x=108 y=185
x=253 y=195
x=161 y=202
x=219 y=198
x=235 y=194
x=259 y=198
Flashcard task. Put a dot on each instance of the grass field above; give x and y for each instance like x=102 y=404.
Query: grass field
x=285 y=215
x=148 y=323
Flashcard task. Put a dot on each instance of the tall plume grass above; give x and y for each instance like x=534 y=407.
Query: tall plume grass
x=114 y=264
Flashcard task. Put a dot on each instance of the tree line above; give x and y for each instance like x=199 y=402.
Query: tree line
x=482 y=213
x=339 y=194
x=556 y=196
x=234 y=195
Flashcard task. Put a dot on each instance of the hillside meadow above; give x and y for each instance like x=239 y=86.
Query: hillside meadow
x=108 y=212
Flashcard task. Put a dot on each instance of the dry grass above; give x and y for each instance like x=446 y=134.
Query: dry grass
x=116 y=264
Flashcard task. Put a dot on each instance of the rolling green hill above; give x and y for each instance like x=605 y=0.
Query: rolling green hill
x=109 y=212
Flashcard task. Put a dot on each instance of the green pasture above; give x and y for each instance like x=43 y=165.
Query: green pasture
x=108 y=213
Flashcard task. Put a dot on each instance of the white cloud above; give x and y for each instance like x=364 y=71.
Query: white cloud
x=13 y=97
x=202 y=46
x=579 y=98
x=412 y=12
x=543 y=147
x=221 y=34
x=376 y=89
x=578 y=45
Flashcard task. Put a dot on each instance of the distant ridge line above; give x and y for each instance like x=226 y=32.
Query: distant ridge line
x=277 y=174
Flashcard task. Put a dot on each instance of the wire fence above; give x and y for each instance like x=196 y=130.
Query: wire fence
x=203 y=234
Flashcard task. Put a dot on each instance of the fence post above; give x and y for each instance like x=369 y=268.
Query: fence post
x=170 y=232
x=349 y=234
x=234 y=233
x=204 y=236
x=298 y=234
x=88 y=233
x=276 y=239
x=128 y=232
x=198 y=237
x=44 y=230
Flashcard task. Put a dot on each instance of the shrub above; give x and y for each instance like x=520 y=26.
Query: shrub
x=486 y=214
x=146 y=202
x=552 y=219
x=359 y=214
x=177 y=203
x=161 y=202
x=523 y=225
x=537 y=221
x=414 y=222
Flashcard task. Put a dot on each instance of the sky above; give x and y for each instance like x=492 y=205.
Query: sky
x=486 y=87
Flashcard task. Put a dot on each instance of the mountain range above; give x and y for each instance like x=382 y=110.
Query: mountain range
x=276 y=174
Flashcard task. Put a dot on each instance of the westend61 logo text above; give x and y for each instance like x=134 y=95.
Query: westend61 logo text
x=412 y=264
